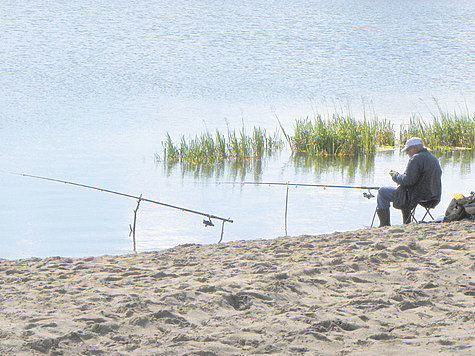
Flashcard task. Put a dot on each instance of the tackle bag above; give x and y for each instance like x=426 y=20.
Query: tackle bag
x=461 y=208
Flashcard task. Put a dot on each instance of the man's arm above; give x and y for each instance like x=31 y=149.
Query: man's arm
x=410 y=176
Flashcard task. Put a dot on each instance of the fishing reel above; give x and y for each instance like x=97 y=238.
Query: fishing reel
x=208 y=222
x=368 y=195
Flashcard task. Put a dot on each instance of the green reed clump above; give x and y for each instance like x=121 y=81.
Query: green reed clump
x=171 y=151
x=206 y=148
x=221 y=152
x=384 y=131
x=340 y=136
x=446 y=131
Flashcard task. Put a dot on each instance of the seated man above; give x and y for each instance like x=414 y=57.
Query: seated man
x=421 y=182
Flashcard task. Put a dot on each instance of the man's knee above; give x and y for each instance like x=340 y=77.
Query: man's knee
x=385 y=196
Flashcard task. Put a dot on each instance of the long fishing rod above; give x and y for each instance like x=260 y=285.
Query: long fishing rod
x=139 y=199
x=366 y=195
x=304 y=185
x=210 y=216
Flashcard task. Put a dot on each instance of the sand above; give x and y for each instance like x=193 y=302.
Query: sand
x=394 y=290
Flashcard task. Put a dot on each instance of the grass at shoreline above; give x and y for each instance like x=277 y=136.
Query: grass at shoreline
x=339 y=135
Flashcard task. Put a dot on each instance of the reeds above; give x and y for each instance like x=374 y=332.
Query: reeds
x=447 y=131
x=206 y=149
x=341 y=136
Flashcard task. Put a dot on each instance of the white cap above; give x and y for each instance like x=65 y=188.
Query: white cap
x=413 y=141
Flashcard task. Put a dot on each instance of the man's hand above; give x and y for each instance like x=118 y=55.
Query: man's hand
x=391 y=172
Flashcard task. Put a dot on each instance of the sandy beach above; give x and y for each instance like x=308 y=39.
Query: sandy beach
x=389 y=291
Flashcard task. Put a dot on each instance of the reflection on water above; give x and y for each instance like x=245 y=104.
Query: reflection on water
x=462 y=159
x=239 y=170
x=346 y=169
x=234 y=170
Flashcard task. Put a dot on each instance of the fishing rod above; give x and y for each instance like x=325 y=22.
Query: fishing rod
x=139 y=199
x=367 y=195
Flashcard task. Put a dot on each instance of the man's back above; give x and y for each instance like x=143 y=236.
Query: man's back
x=422 y=178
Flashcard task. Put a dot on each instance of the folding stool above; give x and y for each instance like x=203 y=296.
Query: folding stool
x=427 y=205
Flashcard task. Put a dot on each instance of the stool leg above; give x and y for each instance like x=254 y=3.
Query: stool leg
x=406 y=216
x=424 y=216
x=427 y=213
x=413 y=215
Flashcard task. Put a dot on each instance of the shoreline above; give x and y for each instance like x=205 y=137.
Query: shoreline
x=371 y=291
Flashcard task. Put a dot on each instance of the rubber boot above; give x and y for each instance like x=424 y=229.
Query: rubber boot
x=406 y=216
x=384 y=217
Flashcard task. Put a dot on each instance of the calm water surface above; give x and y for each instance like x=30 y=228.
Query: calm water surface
x=88 y=91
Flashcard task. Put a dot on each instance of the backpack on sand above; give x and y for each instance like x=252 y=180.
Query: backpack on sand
x=461 y=208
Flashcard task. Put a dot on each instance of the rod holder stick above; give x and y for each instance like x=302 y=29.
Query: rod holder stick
x=374 y=215
x=135 y=221
x=286 y=204
x=222 y=232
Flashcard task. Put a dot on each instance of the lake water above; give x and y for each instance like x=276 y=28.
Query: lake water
x=89 y=89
